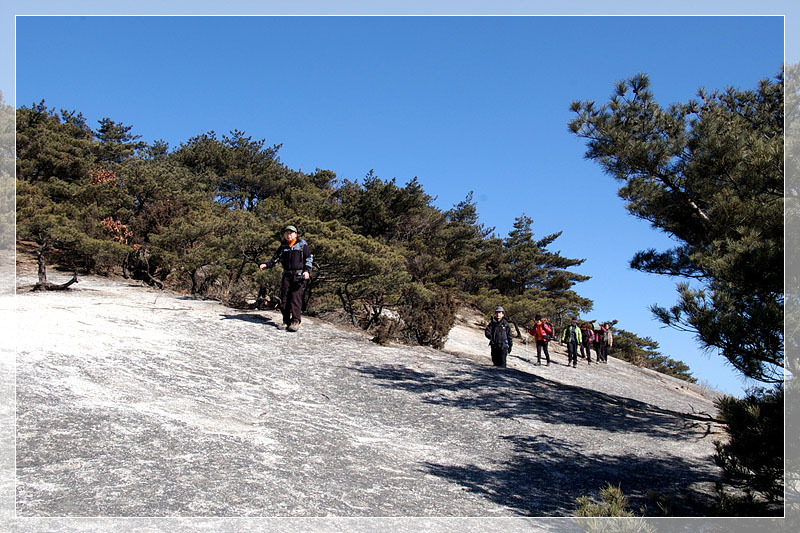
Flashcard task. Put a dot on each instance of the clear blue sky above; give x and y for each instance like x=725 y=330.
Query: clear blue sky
x=462 y=103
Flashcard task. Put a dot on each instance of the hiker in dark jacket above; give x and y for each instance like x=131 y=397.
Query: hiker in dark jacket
x=296 y=259
x=587 y=337
x=598 y=341
x=572 y=337
x=499 y=334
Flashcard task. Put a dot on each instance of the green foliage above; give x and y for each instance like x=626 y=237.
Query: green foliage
x=611 y=513
x=242 y=170
x=429 y=314
x=117 y=143
x=6 y=175
x=366 y=275
x=612 y=503
x=49 y=148
x=643 y=351
x=192 y=245
x=381 y=209
x=710 y=174
x=752 y=458
x=463 y=249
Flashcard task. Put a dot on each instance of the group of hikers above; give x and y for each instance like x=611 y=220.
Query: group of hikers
x=583 y=339
x=295 y=257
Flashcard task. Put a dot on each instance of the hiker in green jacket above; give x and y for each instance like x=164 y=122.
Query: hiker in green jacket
x=572 y=337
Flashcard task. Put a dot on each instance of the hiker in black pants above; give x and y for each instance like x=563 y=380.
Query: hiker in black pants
x=542 y=331
x=607 y=341
x=499 y=334
x=586 y=342
x=598 y=342
x=296 y=259
x=572 y=336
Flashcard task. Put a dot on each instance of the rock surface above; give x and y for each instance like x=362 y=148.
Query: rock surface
x=138 y=402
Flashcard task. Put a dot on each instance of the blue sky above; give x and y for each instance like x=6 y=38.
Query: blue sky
x=462 y=103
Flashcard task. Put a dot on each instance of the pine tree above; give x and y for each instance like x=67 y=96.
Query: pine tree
x=533 y=279
x=117 y=143
x=709 y=173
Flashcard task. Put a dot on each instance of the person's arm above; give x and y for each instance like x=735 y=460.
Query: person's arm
x=308 y=261
x=274 y=261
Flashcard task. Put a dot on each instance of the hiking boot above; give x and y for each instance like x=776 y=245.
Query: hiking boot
x=294 y=326
x=574 y=365
x=548 y=363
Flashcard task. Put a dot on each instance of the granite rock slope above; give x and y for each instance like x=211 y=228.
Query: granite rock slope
x=137 y=402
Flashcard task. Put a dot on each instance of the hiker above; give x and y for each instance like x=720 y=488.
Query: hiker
x=542 y=331
x=296 y=259
x=587 y=337
x=500 y=339
x=608 y=340
x=597 y=341
x=572 y=337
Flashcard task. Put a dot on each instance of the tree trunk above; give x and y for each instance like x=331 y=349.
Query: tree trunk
x=42 y=266
x=47 y=286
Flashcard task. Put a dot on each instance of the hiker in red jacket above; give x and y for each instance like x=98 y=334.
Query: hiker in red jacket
x=542 y=331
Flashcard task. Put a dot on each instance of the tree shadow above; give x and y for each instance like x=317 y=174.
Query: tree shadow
x=546 y=475
x=511 y=393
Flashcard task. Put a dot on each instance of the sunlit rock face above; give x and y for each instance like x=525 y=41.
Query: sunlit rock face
x=137 y=402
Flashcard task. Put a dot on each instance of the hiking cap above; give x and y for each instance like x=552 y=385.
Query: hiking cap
x=290 y=228
x=499 y=309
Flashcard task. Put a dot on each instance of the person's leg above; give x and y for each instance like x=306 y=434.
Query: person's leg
x=572 y=353
x=296 y=300
x=497 y=356
x=546 y=353
x=286 y=282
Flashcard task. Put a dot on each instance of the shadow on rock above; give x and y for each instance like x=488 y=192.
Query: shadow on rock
x=540 y=479
x=252 y=318
x=511 y=393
